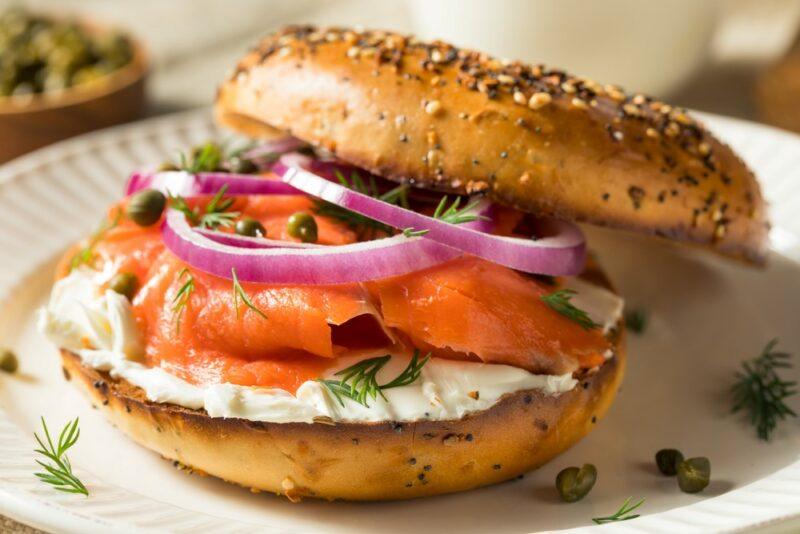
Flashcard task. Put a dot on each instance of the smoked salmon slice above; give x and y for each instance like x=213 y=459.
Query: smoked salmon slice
x=465 y=309
x=482 y=311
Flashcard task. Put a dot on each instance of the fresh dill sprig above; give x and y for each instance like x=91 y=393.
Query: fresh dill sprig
x=181 y=298
x=397 y=196
x=760 y=392
x=623 y=514
x=206 y=158
x=58 y=471
x=451 y=214
x=85 y=255
x=636 y=321
x=560 y=302
x=239 y=293
x=216 y=213
x=179 y=203
x=410 y=232
x=359 y=381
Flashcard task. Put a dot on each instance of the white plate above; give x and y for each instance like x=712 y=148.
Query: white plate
x=707 y=314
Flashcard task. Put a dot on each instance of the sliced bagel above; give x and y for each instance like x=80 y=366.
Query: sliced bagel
x=366 y=461
x=535 y=138
x=360 y=461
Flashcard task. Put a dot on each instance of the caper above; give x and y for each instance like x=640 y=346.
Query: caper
x=145 y=207
x=573 y=484
x=8 y=361
x=667 y=461
x=241 y=165
x=168 y=166
x=694 y=474
x=207 y=157
x=250 y=227
x=125 y=284
x=302 y=226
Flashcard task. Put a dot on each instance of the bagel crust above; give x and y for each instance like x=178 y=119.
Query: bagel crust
x=360 y=461
x=534 y=138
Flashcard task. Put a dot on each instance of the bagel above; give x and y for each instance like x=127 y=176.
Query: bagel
x=532 y=137
x=360 y=461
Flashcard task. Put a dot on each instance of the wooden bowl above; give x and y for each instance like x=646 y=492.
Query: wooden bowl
x=32 y=121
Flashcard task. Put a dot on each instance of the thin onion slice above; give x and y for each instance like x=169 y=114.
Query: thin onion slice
x=206 y=183
x=236 y=240
x=560 y=251
x=274 y=147
x=358 y=262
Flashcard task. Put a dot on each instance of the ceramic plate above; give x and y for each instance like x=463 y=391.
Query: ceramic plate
x=706 y=315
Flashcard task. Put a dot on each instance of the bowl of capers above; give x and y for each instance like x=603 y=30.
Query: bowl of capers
x=60 y=77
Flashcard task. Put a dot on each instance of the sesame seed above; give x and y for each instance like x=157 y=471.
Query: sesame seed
x=524 y=177
x=505 y=79
x=704 y=149
x=568 y=87
x=352 y=52
x=652 y=132
x=617 y=135
x=433 y=107
x=433 y=157
x=632 y=110
x=672 y=129
x=539 y=100
x=578 y=103
x=436 y=56
x=519 y=98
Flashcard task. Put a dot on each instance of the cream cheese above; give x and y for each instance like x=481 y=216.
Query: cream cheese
x=99 y=326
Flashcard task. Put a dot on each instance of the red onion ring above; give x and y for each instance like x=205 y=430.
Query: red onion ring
x=562 y=253
x=206 y=183
x=368 y=260
x=236 y=240
x=275 y=146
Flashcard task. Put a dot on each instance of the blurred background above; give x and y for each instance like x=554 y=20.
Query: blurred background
x=734 y=57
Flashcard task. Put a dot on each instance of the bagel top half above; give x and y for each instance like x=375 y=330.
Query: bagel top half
x=531 y=137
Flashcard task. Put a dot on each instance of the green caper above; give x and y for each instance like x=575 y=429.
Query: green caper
x=667 y=461
x=8 y=361
x=694 y=474
x=241 y=165
x=125 y=284
x=168 y=166
x=207 y=157
x=250 y=227
x=302 y=226
x=573 y=484
x=145 y=207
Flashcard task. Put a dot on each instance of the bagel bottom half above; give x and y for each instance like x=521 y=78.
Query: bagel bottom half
x=361 y=461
